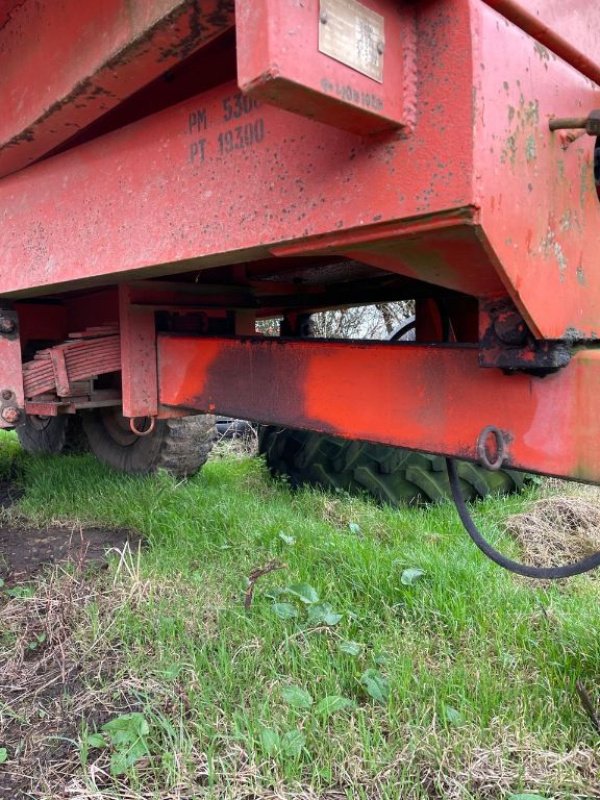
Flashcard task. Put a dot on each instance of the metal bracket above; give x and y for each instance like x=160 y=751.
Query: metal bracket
x=12 y=397
x=505 y=342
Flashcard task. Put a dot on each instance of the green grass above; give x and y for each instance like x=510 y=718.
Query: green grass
x=480 y=667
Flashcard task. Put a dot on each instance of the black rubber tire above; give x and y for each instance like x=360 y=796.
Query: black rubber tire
x=392 y=475
x=180 y=446
x=53 y=435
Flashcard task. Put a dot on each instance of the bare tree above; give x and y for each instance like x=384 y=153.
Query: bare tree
x=378 y=321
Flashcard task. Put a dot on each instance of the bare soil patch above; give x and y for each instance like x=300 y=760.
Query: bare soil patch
x=24 y=551
x=55 y=676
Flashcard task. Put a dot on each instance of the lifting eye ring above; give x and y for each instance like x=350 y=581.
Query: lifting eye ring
x=482 y=448
x=147 y=431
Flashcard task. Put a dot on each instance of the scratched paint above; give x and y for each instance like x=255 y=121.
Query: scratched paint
x=66 y=90
x=287 y=182
x=323 y=386
x=548 y=231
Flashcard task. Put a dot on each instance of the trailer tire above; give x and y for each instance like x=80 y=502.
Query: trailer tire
x=392 y=475
x=53 y=435
x=180 y=446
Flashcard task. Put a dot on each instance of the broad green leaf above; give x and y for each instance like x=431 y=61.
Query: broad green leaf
x=526 y=797
x=332 y=703
x=304 y=592
x=269 y=740
x=3 y=755
x=350 y=648
x=411 y=576
x=292 y=743
x=274 y=593
x=323 y=614
x=20 y=591
x=135 y=752
x=375 y=685
x=381 y=659
x=286 y=539
x=118 y=764
x=96 y=740
x=296 y=696
x=133 y=724
x=285 y=610
x=126 y=729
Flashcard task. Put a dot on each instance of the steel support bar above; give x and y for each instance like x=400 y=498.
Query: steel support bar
x=65 y=63
x=138 y=357
x=433 y=398
x=12 y=397
x=564 y=28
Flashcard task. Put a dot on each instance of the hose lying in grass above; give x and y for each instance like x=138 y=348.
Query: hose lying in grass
x=541 y=573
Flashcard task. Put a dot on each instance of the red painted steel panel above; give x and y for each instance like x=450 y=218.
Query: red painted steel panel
x=279 y=62
x=570 y=29
x=213 y=181
x=540 y=211
x=64 y=63
x=138 y=357
x=206 y=180
x=359 y=391
x=7 y=8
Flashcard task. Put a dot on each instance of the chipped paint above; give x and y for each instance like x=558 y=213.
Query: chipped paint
x=566 y=220
x=83 y=88
x=542 y=51
x=509 y=153
x=551 y=246
x=587 y=183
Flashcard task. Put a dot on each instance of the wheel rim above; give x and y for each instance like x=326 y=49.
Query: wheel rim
x=118 y=429
x=39 y=423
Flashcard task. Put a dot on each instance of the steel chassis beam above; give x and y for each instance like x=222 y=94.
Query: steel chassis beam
x=425 y=397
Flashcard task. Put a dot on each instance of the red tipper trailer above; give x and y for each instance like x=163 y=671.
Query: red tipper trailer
x=172 y=172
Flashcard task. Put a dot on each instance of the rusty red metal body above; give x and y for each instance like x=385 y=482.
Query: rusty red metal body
x=180 y=182
x=66 y=63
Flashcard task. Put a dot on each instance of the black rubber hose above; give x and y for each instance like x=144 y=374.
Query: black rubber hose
x=547 y=573
x=403 y=330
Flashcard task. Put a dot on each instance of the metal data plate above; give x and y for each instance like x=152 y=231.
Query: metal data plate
x=353 y=34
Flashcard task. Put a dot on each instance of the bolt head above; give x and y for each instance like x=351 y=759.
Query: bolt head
x=6 y=394
x=511 y=329
x=11 y=415
x=323 y=17
x=7 y=325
